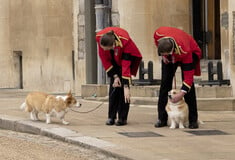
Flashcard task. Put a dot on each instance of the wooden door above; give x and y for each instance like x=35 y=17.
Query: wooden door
x=206 y=27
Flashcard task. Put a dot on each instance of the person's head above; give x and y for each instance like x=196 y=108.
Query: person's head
x=165 y=46
x=107 y=40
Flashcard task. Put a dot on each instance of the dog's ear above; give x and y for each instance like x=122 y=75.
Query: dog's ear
x=69 y=94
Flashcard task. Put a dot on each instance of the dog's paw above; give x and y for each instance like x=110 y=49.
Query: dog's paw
x=181 y=127
x=36 y=119
x=32 y=118
x=65 y=122
x=172 y=127
x=48 y=121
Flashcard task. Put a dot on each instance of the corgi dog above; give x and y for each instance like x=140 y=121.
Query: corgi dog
x=58 y=106
x=177 y=112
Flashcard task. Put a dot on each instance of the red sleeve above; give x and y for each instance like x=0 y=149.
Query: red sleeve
x=187 y=61
x=188 y=71
x=126 y=62
x=128 y=49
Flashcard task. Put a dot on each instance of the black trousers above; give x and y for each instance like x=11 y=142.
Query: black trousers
x=117 y=103
x=168 y=72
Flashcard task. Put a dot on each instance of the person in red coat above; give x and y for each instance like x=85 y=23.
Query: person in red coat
x=120 y=58
x=177 y=48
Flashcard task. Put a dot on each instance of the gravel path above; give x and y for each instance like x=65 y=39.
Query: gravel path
x=23 y=146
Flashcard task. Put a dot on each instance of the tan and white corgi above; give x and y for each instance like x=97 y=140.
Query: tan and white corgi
x=51 y=105
x=177 y=112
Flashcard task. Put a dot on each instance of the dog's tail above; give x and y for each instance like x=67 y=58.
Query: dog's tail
x=23 y=106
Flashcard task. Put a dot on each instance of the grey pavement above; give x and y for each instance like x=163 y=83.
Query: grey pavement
x=138 y=140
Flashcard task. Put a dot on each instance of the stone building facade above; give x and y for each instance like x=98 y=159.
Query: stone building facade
x=49 y=45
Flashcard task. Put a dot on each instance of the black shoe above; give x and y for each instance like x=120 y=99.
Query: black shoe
x=160 y=124
x=193 y=125
x=121 y=123
x=110 y=121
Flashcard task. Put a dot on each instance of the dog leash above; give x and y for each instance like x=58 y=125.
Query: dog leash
x=89 y=110
x=174 y=82
x=93 y=108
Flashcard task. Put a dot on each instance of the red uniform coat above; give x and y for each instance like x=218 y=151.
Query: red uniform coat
x=123 y=45
x=185 y=47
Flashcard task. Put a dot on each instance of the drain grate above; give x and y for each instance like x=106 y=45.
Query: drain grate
x=140 y=134
x=207 y=132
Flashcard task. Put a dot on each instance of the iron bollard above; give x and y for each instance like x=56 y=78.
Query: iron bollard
x=149 y=72
x=218 y=70
x=212 y=71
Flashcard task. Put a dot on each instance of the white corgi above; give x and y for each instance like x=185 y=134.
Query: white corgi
x=58 y=106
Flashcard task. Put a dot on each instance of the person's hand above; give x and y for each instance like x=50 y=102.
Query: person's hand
x=127 y=95
x=165 y=60
x=116 y=82
x=177 y=97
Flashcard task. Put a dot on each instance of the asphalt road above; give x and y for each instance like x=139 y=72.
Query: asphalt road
x=16 y=145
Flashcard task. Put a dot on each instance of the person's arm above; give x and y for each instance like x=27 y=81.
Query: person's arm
x=188 y=72
x=126 y=69
x=126 y=76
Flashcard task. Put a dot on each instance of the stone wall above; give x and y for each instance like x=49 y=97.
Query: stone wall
x=7 y=70
x=42 y=31
x=38 y=37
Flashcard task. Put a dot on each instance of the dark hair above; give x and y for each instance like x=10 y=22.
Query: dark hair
x=165 y=45
x=107 y=39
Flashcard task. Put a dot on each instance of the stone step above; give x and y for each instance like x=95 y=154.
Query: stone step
x=214 y=98
x=12 y=93
x=204 y=104
x=19 y=93
x=97 y=90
